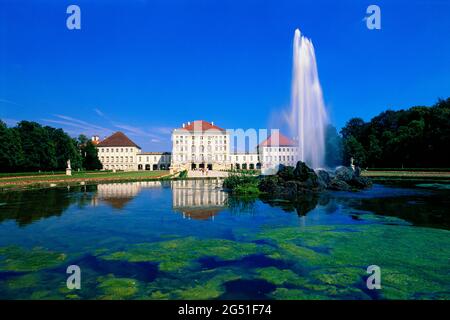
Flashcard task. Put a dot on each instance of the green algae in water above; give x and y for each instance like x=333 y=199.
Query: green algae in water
x=210 y=289
x=14 y=258
x=113 y=288
x=176 y=255
x=206 y=284
x=383 y=219
x=296 y=294
x=413 y=261
x=280 y=277
x=344 y=276
x=23 y=282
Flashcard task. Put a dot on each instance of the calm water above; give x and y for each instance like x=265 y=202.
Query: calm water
x=189 y=240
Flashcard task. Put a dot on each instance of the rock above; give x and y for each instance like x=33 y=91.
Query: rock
x=324 y=178
x=270 y=185
x=344 y=173
x=339 y=185
x=357 y=172
x=361 y=182
x=302 y=171
x=286 y=173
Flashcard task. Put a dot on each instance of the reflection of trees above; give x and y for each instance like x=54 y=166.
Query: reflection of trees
x=301 y=205
x=25 y=207
x=426 y=211
x=240 y=204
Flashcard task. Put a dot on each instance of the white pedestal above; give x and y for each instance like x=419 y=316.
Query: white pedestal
x=68 y=172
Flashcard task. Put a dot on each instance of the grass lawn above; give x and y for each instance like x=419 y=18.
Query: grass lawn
x=77 y=177
x=406 y=174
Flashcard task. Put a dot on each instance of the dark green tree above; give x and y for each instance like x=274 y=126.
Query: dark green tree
x=65 y=149
x=38 y=148
x=416 y=137
x=11 y=153
x=354 y=149
x=333 y=147
x=89 y=154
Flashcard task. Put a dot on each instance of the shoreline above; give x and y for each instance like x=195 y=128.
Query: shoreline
x=33 y=182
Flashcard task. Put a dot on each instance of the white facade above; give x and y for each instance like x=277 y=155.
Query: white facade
x=153 y=161
x=245 y=161
x=197 y=145
x=118 y=158
x=272 y=157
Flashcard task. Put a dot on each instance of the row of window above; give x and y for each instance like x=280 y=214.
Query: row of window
x=210 y=138
x=279 y=158
x=217 y=157
x=155 y=158
x=273 y=149
x=200 y=148
x=116 y=159
x=106 y=150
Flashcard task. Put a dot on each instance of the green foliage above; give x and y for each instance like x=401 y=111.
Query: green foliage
x=240 y=183
x=30 y=147
x=89 y=154
x=333 y=147
x=353 y=148
x=416 y=137
x=39 y=150
x=183 y=174
x=11 y=153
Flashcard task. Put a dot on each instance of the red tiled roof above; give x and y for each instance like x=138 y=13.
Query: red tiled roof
x=200 y=125
x=118 y=139
x=277 y=140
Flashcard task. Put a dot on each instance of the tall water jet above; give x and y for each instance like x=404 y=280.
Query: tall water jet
x=308 y=117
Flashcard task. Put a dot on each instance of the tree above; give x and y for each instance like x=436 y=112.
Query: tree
x=354 y=149
x=416 y=137
x=38 y=148
x=333 y=147
x=65 y=149
x=11 y=153
x=89 y=153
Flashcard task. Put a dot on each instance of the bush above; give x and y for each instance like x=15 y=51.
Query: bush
x=241 y=184
x=247 y=189
x=183 y=174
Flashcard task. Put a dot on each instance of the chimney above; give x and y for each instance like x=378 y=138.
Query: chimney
x=212 y=122
x=189 y=123
x=183 y=125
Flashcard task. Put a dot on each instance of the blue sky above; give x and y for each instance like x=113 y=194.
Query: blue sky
x=145 y=67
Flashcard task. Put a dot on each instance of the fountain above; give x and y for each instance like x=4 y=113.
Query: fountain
x=308 y=115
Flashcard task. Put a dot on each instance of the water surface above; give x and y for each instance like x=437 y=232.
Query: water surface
x=189 y=240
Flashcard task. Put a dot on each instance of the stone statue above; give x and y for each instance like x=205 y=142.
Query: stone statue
x=68 y=169
x=352 y=163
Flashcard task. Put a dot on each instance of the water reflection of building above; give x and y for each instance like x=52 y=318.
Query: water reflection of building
x=196 y=199
x=119 y=194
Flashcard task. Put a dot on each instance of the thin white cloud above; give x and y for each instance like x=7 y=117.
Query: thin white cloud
x=99 y=112
x=6 y=101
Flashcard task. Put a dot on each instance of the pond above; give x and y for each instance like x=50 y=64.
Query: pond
x=189 y=240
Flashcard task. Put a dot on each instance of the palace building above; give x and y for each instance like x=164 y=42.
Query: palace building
x=197 y=145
